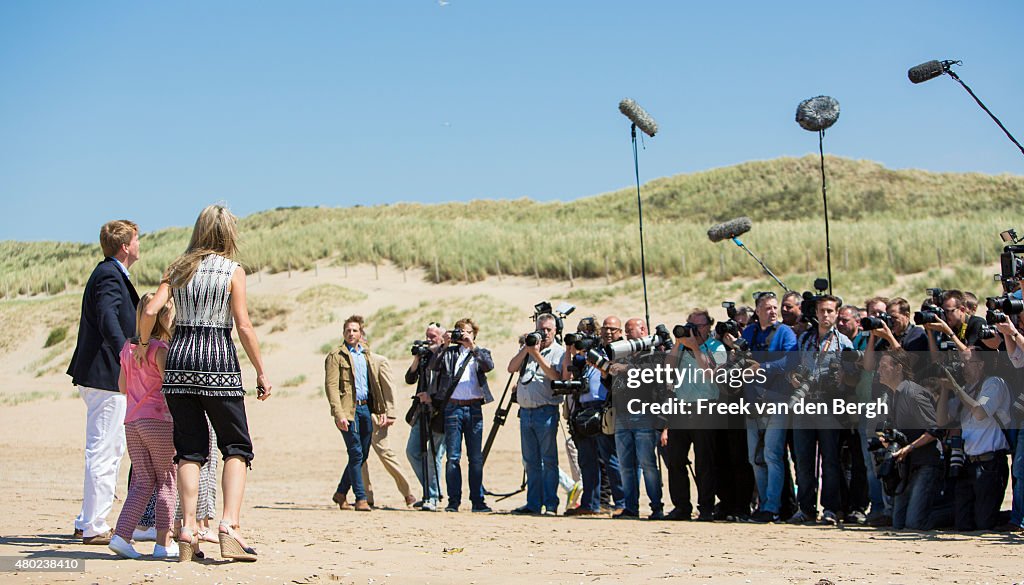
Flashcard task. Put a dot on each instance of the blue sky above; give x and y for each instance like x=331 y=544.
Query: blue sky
x=151 y=110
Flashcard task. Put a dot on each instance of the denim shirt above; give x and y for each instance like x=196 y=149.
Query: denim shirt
x=776 y=387
x=360 y=372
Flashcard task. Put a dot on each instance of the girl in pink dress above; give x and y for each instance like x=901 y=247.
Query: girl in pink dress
x=150 y=435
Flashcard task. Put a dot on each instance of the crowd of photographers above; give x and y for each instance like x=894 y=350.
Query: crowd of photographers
x=946 y=381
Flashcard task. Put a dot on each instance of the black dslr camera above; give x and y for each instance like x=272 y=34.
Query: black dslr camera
x=872 y=323
x=883 y=450
x=931 y=311
x=575 y=386
x=421 y=348
x=582 y=341
x=729 y=326
x=457 y=335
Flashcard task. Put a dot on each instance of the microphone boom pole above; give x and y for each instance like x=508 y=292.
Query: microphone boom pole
x=639 y=118
x=764 y=267
x=987 y=111
x=640 y=213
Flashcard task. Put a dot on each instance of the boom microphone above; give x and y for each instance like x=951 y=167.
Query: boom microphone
x=926 y=71
x=730 y=229
x=817 y=113
x=638 y=116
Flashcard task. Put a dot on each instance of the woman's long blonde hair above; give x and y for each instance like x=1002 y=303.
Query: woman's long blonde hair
x=215 y=232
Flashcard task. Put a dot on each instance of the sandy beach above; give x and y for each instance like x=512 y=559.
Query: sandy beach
x=303 y=538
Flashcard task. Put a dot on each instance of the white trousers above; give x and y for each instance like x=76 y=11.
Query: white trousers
x=104 y=447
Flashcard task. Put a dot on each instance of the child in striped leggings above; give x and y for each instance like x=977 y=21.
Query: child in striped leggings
x=150 y=435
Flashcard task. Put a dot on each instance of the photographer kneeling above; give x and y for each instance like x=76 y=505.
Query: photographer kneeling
x=982 y=408
x=536 y=360
x=914 y=414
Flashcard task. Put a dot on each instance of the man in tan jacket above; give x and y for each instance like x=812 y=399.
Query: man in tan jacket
x=359 y=390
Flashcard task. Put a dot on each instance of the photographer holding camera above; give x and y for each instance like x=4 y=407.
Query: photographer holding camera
x=636 y=440
x=424 y=442
x=820 y=349
x=982 y=407
x=599 y=464
x=1014 y=341
x=890 y=329
x=954 y=323
x=766 y=436
x=695 y=349
x=462 y=378
x=914 y=415
x=538 y=356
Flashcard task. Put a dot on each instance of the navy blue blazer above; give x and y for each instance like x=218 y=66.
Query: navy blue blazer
x=108 y=320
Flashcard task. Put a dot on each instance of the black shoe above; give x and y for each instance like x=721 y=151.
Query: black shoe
x=484 y=509
x=656 y=515
x=677 y=514
x=524 y=511
x=705 y=517
x=765 y=517
x=880 y=521
x=626 y=515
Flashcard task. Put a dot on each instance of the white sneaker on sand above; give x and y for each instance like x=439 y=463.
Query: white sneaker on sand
x=166 y=552
x=144 y=535
x=123 y=548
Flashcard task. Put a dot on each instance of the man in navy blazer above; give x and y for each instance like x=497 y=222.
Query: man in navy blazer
x=108 y=320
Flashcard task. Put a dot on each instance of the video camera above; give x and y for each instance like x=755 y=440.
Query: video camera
x=421 y=348
x=560 y=313
x=809 y=304
x=661 y=340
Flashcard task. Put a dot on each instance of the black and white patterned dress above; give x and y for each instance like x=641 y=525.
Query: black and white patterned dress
x=202 y=359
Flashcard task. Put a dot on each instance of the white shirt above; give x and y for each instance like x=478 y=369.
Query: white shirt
x=468 y=387
x=983 y=436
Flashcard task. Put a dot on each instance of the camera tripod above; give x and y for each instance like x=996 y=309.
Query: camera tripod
x=500 y=416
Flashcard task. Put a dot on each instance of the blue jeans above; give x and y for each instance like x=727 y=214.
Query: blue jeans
x=637 y=448
x=770 y=473
x=592 y=451
x=464 y=421
x=912 y=509
x=808 y=443
x=1017 y=477
x=414 y=452
x=357 y=441
x=880 y=503
x=538 y=433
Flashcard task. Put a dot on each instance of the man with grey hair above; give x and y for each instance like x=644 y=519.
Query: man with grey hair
x=538 y=356
x=423 y=442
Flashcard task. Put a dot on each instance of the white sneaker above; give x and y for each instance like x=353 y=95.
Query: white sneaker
x=166 y=552
x=143 y=535
x=429 y=506
x=123 y=548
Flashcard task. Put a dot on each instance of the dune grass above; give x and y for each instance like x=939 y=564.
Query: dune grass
x=882 y=220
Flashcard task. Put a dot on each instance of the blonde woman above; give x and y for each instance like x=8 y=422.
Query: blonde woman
x=202 y=376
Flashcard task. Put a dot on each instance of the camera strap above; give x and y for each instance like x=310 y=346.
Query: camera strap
x=455 y=380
